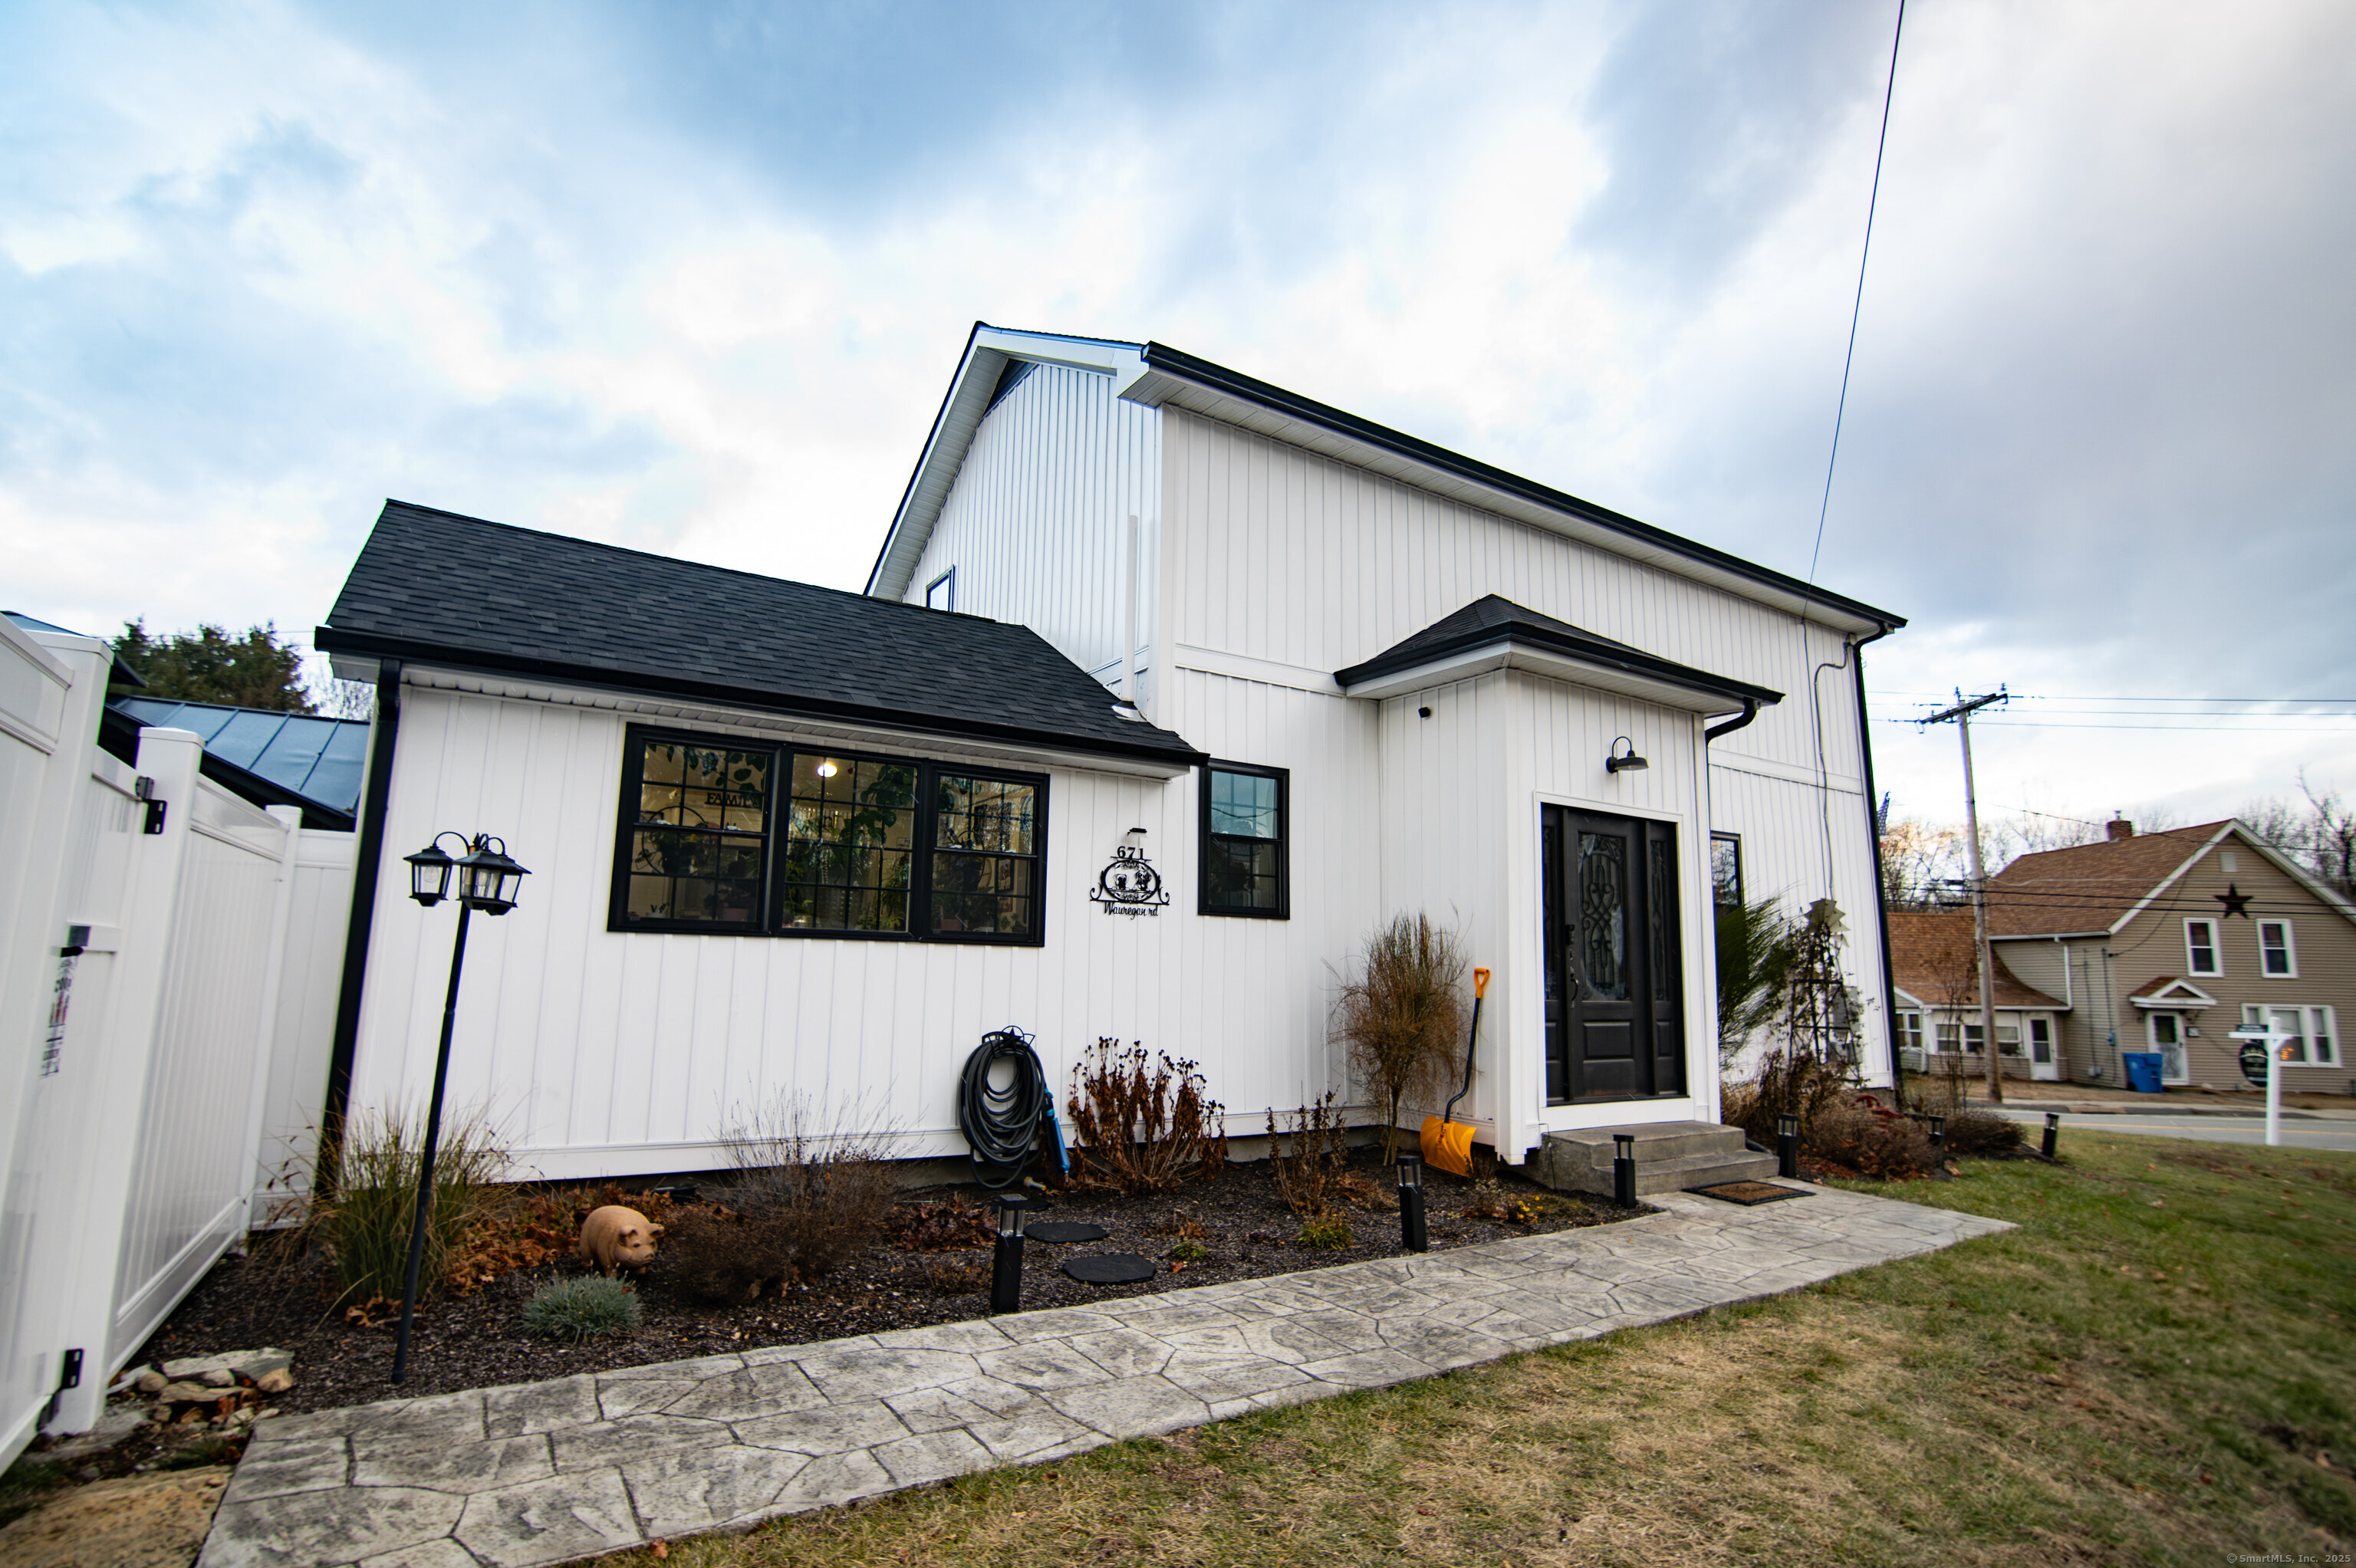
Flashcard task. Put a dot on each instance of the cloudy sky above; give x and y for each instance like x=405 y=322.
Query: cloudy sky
x=692 y=279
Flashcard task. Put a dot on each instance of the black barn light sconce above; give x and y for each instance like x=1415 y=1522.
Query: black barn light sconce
x=488 y=880
x=1620 y=762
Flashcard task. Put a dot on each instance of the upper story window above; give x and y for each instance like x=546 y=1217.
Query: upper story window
x=940 y=593
x=2201 y=953
x=1725 y=870
x=2277 y=955
x=1245 y=868
x=719 y=836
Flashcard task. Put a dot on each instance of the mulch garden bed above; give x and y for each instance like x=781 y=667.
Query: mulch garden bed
x=277 y=1295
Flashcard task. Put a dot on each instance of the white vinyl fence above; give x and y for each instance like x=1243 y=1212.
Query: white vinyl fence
x=167 y=948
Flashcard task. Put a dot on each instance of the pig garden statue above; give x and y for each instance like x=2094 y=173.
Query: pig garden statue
x=615 y=1237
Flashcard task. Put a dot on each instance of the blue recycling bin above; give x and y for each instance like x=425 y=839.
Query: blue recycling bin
x=2142 y=1070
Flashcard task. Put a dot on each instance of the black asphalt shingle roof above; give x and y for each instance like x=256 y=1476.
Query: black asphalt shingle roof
x=437 y=587
x=1493 y=619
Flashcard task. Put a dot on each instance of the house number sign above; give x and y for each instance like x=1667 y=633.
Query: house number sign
x=1129 y=885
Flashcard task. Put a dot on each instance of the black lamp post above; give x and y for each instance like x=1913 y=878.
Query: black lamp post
x=1787 y=1145
x=488 y=880
x=1412 y=1231
x=1006 y=1264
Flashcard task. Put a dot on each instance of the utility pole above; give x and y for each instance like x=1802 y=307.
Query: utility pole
x=1962 y=714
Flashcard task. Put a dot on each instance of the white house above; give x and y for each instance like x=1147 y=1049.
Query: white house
x=785 y=839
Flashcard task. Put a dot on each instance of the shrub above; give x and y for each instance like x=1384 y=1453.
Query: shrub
x=1758 y=954
x=724 y=1259
x=1309 y=1177
x=1187 y=1249
x=581 y=1309
x=1869 y=1139
x=810 y=1199
x=1972 y=1130
x=1141 y=1131
x=364 y=1219
x=1788 y=1084
x=1403 y=1017
x=1329 y=1231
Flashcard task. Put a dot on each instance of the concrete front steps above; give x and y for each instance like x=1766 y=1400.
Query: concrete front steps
x=1670 y=1157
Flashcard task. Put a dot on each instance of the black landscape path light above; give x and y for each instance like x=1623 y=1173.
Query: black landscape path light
x=1937 y=1127
x=1623 y=1169
x=1412 y=1232
x=1006 y=1265
x=488 y=880
x=1787 y=1145
x=2052 y=1131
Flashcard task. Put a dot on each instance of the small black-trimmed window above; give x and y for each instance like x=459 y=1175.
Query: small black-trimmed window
x=940 y=593
x=1725 y=870
x=1245 y=868
x=723 y=836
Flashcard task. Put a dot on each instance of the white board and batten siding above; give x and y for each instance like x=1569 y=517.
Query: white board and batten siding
x=600 y=1052
x=1269 y=566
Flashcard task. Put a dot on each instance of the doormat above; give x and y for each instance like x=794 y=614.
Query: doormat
x=1065 y=1231
x=1748 y=1193
x=1109 y=1268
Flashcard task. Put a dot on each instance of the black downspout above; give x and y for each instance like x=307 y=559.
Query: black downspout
x=1749 y=711
x=366 y=856
x=1880 y=885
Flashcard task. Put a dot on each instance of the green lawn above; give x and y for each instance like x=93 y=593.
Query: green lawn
x=2155 y=1367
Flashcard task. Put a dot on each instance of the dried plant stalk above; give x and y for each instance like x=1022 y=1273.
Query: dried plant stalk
x=1142 y=1129
x=1309 y=1178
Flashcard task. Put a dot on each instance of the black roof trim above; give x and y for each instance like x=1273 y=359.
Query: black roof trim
x=437 y=588
x=1162 y=357
x=1492 y=619
x=416 y=655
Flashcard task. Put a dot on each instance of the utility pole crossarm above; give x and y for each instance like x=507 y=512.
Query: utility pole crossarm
x=1962 y=714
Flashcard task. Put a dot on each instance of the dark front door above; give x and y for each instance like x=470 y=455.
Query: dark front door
x=1614 y=1017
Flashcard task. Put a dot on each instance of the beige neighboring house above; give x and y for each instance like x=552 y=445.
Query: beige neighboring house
x=1935 y=961
x=2169 y=942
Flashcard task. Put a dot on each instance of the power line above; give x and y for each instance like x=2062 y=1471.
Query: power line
x=2085 y=697
x=2164 y=728
x=1857 y=306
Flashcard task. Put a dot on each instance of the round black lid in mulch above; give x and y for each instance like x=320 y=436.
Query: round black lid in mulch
x=1109 y=1268
x=1065 y=1231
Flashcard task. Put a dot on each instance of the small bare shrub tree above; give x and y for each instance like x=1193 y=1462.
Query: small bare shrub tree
x=1403 y=1016
x=822 y=1192
x=1309 y=1175
x=1142 y=1129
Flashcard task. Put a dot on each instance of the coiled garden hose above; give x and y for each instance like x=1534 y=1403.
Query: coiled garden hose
x=1002 y=1125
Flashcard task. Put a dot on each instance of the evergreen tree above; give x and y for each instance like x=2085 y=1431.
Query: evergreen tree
x=208 y=665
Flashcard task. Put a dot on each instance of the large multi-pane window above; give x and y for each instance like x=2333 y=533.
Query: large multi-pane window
x=1245 y=869
x=719 y=836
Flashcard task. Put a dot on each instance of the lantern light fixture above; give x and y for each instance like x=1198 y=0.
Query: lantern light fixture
x=429 y=871
x=1620 y=762
x=488 y=880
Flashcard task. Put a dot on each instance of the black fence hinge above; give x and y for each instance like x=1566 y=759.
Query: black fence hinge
x=69 y=1376
x=144 y=788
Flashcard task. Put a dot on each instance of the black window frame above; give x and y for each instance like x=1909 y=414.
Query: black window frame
x=1283 y=841
x=1734 y=839
x=771 y=922
x=949 y=578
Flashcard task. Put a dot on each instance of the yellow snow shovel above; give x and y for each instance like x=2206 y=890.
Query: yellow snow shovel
x=1446 y=1144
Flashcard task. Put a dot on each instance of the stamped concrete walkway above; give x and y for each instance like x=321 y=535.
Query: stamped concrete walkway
x=550 y=1472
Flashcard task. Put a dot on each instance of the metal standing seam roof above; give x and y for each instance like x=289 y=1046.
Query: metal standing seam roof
x=443 y=589
x=317 y=757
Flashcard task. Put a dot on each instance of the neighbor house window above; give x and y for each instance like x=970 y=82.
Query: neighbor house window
x=1909 y=1032
x=1725 y=870
x=940 y=593
x=2201 y=948
x=1244 y=839
x=2277 y=957
x=719 y=836
x=2313 y=1037
x=2041 y=1042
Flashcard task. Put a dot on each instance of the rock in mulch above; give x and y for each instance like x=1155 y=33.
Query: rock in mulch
x=137 y=1521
